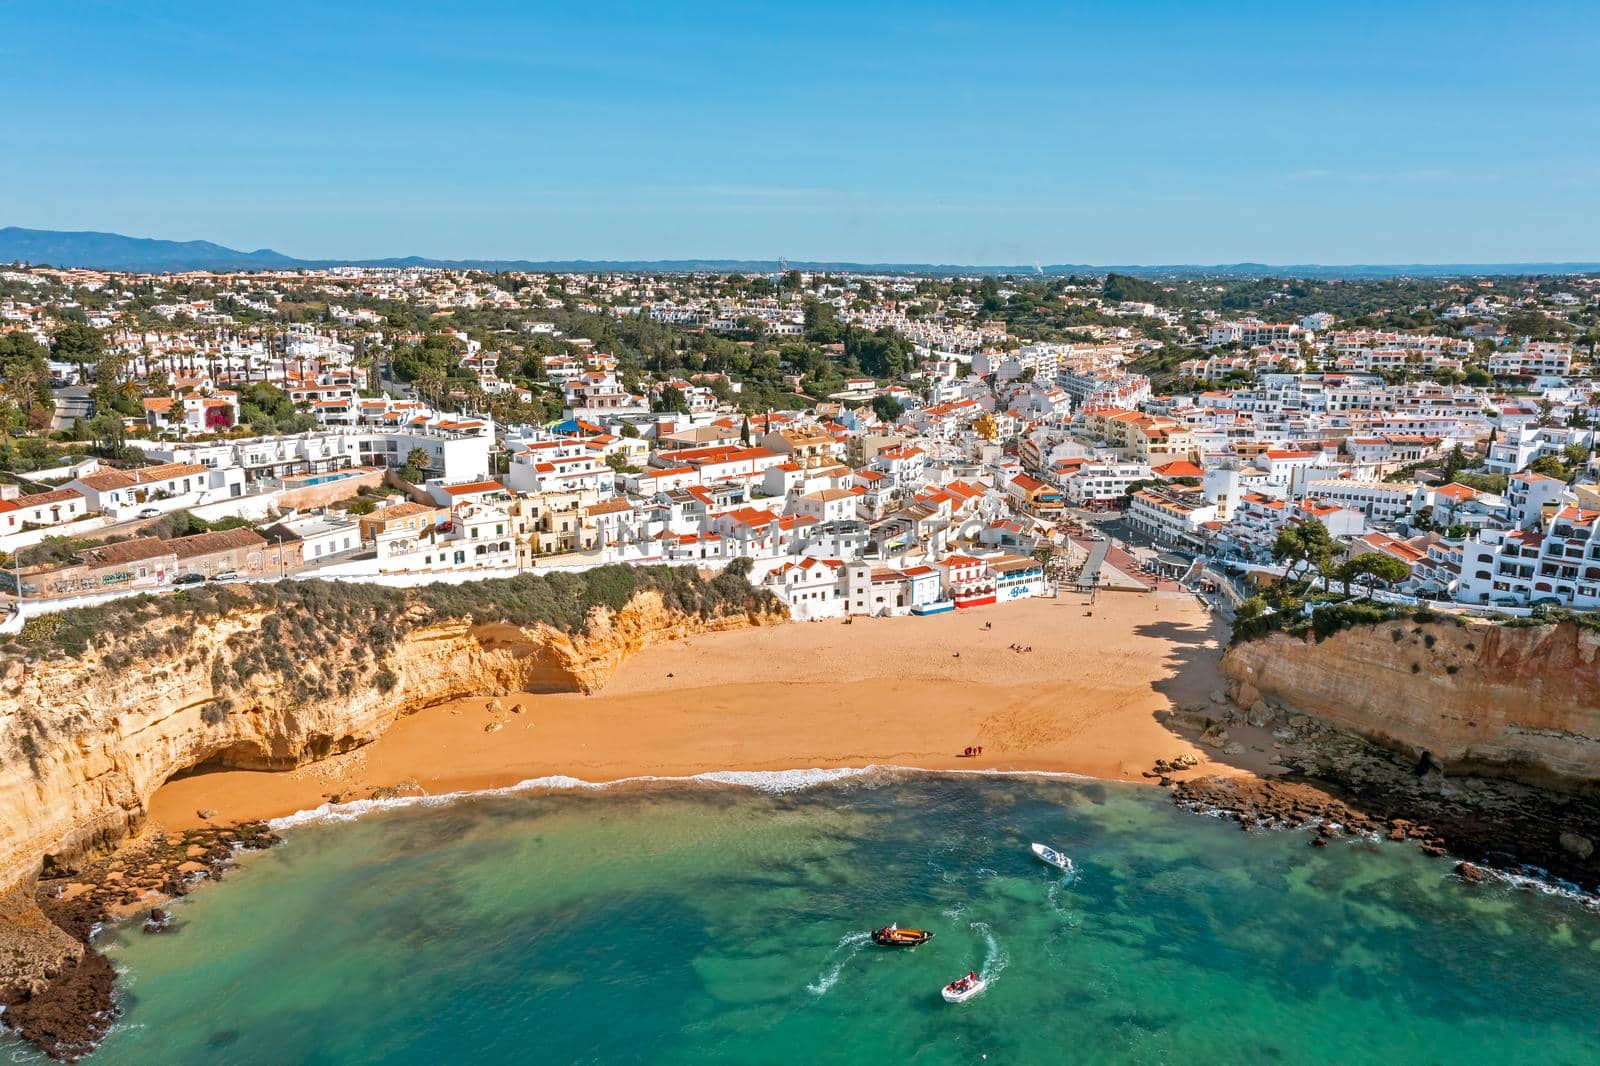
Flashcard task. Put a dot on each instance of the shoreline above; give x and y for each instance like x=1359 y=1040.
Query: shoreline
x=1099 y=695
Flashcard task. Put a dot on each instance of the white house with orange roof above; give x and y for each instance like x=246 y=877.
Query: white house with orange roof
x=1034 y=496
x=760 y=534
x=722 y=462
x=966 y=581
x=1456 y=504
x=1287 y=467
x=192 y=413
x=826 y=505
x=904 y=465
x=810 y=587
x=51 y=508
x=1342 y=522
x=120 y=494
x=458 y=494
x=783 y=478
x=694 y=547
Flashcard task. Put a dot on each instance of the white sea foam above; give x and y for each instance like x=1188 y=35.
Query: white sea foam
x=1559 y=889
x=779 y=781
x=775 y=782
x=771 y=781
x=848 y=948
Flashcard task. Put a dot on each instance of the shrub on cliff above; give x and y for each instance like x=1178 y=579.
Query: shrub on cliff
x=304 y=620
x=1327 y=621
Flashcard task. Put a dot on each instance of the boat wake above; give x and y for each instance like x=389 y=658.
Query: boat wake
x=1053 y=894
x=848 y=948
x=995 y=958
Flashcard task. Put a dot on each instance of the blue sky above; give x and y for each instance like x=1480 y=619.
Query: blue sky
x=970 y=133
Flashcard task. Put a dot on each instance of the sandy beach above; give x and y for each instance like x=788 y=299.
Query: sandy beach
x=912 y=692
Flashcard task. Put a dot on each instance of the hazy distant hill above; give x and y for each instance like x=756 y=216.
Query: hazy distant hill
x=113 y=251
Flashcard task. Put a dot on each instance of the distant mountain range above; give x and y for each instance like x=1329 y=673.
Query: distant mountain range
x=113 y=251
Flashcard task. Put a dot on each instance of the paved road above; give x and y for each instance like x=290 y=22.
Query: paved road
x=72 y=403
x=1091 y=565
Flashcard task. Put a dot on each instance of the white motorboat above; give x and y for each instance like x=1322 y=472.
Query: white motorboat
x=964 y=988
x=1051 y=857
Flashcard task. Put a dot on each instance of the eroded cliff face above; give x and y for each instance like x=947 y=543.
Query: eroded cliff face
x=83 y=746
x=1524 y=701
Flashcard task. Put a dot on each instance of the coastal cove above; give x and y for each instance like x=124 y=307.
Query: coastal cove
x=1092 y=697
x=1114 y=692
x=676 y=923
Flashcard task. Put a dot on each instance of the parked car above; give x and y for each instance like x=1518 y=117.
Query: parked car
x=225 y=575
x=149 y=512
x=189 y=579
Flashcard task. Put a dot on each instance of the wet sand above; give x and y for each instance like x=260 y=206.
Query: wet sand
x=906 y=691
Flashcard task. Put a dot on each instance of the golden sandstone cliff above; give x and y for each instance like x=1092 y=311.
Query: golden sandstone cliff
x=85 y=742
x=1518 y=700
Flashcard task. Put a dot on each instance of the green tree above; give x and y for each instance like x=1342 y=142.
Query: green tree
x=822 y=322
x=671 y=400
x=1374 y=568
x=619 y=462
x=415 y=468
x=887 y=408
x=1305 y=546
x=109 y=433
x=79 y=343
x=1454 y=463
x=24 y=377
x=1550 y=466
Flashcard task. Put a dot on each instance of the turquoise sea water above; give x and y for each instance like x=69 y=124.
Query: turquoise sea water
x=678 y=924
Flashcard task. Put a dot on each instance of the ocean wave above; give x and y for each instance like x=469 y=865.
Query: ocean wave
x=1546 y=885
x=774 y=782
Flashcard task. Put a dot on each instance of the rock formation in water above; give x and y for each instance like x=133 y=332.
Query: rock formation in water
x=1522 y=701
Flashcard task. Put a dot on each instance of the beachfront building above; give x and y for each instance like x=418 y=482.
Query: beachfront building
x=1172 y=517
x=967 y=581
x=810 y=587
x=1017 y=577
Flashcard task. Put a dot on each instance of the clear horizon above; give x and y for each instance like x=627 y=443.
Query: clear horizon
x=1158 y=133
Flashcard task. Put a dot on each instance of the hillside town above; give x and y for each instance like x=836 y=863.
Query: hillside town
x=872 y=445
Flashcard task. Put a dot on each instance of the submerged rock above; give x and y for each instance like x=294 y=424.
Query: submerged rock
x=1581 y=846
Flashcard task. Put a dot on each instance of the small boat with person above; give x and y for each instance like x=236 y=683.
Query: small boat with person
x=1051 y=857
x=892 y=936
x=964 y=988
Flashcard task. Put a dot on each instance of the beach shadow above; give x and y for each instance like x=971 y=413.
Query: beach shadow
x=1191 y=678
